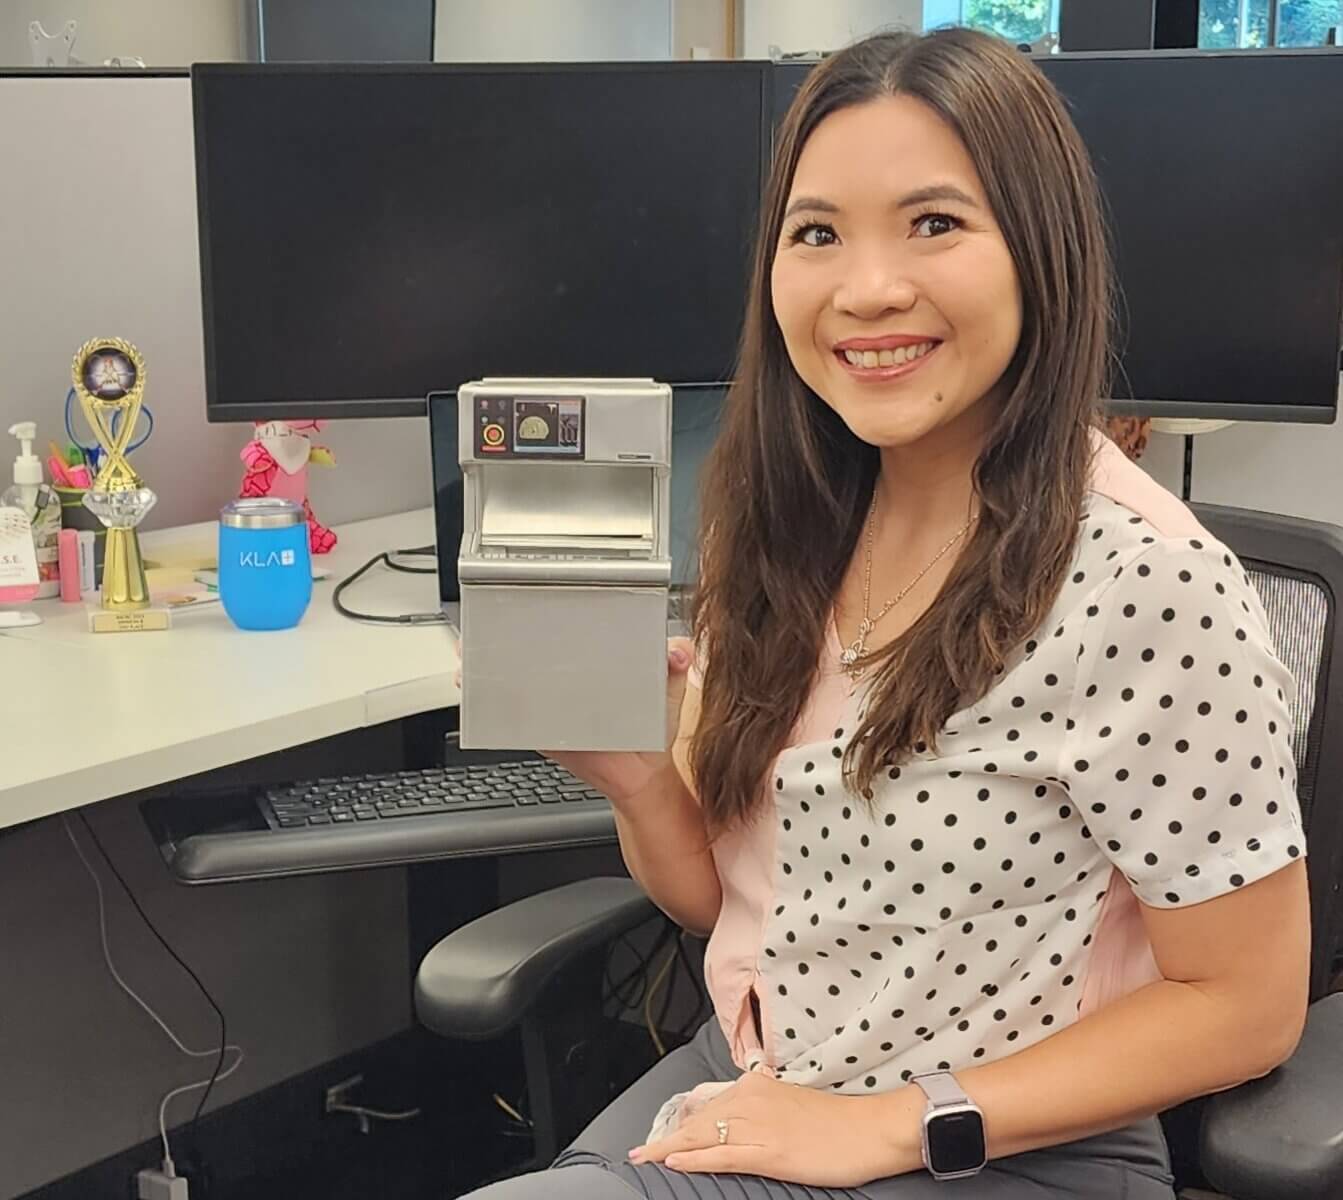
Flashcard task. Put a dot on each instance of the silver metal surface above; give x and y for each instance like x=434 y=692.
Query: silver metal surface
x=565 y=571
x=262 y=512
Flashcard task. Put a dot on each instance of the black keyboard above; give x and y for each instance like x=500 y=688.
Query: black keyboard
x=352 y=799
x=345 y=822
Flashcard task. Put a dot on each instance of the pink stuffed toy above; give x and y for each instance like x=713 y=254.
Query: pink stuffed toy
x=276 y=463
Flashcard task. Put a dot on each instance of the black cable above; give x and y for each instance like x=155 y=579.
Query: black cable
x=644 y=961
x=432 y=618
x=638 y=974
x=698 y=1014
x=177 y=958
x=636 y=978
x=701 y=997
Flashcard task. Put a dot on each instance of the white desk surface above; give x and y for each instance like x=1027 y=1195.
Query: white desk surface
x=86 y=716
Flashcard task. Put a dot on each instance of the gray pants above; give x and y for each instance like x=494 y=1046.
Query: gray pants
x=1128 y=1164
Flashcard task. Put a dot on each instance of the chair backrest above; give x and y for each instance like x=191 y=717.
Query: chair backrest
x=1296 y=566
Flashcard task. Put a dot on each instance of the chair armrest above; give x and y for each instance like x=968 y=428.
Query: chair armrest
x=1281 y=1137
x=480 y=980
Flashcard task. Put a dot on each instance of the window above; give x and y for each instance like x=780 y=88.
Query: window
x=1307 y=22
x=1016 y=20
x=1232 y=24
x=1222 y=24
x=1252 y=24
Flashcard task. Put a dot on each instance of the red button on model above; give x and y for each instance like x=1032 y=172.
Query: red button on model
x=493 y=435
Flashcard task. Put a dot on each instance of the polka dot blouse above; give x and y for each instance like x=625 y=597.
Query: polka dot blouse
x=1140 y=740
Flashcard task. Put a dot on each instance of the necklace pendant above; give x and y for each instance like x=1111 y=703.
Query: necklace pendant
x=849 y=657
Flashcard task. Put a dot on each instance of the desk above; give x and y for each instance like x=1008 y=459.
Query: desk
x=310 y=970
x=155 y=707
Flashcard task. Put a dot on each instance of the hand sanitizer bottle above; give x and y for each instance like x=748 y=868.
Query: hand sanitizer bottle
x=18 y=565
x=41 y=505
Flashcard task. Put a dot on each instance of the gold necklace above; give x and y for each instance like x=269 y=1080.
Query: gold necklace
x=849 y=658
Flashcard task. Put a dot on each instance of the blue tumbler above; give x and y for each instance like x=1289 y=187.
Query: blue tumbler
x=265 y=573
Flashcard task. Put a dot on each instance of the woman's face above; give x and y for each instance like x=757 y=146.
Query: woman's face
x=893 y=287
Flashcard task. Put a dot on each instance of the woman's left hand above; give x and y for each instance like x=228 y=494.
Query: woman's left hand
x=795 y=1134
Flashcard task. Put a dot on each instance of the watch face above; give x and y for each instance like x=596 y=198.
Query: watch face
x=956 y=1142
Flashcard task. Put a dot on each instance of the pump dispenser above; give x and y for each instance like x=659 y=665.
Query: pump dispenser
x=27 y=467
x=31 y=494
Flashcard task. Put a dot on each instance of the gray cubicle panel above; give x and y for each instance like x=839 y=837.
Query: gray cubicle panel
x=122 y=261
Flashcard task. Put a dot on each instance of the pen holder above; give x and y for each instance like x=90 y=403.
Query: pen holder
x=265 y=572
x=75 y=516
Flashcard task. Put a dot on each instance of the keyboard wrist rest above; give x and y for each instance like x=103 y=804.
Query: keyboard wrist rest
x=480 y=980
x=228 y=857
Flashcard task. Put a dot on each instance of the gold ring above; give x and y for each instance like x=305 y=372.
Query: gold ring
x=721 y=1126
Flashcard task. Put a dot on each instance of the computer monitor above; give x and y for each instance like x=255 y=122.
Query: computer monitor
x=695 y=414
x=372 y=233
x=1223 y=175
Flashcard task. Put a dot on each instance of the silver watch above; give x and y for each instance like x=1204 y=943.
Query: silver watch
x=954 y=1145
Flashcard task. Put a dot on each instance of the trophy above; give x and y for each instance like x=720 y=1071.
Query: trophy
x=109 y=378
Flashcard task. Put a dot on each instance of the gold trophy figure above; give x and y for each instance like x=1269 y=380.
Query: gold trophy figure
x=109 y=378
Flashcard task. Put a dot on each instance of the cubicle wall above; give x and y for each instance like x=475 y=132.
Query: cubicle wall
x=99 y=239
x=305 y=969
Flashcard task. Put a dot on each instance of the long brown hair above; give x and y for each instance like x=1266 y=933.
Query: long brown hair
x=785 y=491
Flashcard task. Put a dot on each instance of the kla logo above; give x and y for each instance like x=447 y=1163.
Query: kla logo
x=276 y=558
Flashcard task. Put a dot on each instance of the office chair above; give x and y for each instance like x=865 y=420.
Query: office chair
x=535 y=965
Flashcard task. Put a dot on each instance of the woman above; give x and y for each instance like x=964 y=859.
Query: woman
x=988 y=770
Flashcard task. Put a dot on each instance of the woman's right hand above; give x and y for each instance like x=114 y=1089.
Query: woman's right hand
x=623 y=776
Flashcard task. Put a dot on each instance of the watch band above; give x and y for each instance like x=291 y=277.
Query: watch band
x=941 y=1088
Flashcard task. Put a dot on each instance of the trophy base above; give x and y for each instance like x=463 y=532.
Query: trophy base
x=124 y=586
x=143 y=620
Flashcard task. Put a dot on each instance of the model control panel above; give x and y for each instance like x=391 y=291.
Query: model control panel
x=529 y=427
